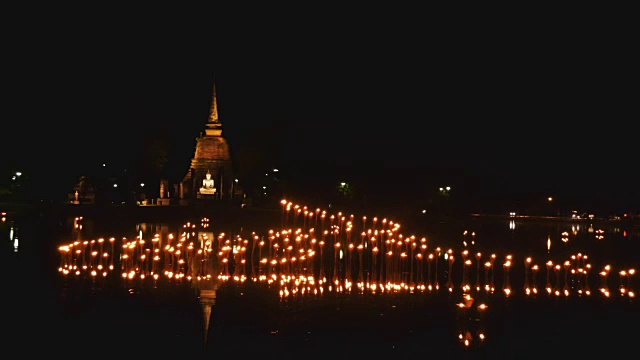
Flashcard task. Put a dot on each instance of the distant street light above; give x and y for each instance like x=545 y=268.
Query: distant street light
x=345 y=189
x=141 y=184
x=550 y=199
x=234 y=186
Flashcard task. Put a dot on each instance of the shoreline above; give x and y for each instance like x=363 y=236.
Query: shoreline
x=533 y=218
x=229 y=211
x=150 y=212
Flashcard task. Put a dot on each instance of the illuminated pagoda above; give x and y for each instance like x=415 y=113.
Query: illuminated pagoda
x=210 y=174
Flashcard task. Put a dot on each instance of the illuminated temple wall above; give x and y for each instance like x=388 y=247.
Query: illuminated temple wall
x=211 y=155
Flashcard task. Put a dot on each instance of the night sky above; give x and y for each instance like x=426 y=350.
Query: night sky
x=529 y=109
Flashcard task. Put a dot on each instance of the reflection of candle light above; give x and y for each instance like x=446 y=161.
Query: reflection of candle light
x=449 y=283
x=557 y=269
x=465 y=282
x=493 y=272
x=567 y=266
x=630 y=291
x=548 y=285
x=587 y=290
x=527 y=263
x=622 y=288
x=435 y=273
x=506 y=287
x=374 y=269
x=429 y=283
x=465 y=264
x=487 y=266
x=478 y=258
x=534 y=271
x=321 y=244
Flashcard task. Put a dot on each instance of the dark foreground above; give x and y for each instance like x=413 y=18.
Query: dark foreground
x=252 y=322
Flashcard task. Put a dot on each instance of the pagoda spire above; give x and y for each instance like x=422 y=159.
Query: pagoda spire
x=213 y=113
x=214 y=126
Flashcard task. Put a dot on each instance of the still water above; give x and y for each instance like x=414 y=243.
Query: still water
x=321 y=284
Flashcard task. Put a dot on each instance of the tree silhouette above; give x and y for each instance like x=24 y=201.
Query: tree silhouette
x=154 y=155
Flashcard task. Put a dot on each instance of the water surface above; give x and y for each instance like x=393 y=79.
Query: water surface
x=79 y=304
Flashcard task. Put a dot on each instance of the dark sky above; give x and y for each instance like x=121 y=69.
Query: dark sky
x=536 y=105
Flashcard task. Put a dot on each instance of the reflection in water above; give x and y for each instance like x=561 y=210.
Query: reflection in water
x=13 y=234
x=466 y=243
x=470 y=318
x=328 y=254
x=207 y=300
x=136 y=261
x=549 y=244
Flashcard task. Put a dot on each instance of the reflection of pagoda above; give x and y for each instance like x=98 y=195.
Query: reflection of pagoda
x=207 y=288
x=209 y=176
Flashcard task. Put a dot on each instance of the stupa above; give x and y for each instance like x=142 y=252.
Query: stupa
x=210 y=175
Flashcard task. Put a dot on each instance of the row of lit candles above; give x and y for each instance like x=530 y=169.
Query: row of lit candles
x=294 y=252
x=171 y=258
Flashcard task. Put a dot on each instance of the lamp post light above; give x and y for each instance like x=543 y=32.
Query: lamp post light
x=343 y=188
x=141 y=197
x=234 y=186
x=17 y=182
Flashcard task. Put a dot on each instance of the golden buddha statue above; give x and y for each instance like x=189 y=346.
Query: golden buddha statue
x=208 y=185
